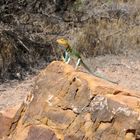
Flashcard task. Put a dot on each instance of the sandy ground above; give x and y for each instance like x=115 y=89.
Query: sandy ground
x=122 y=68
x=13 y=93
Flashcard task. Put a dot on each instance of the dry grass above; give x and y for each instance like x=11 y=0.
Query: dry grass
x=113 y=30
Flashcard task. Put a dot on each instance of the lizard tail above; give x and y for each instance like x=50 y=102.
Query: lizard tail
x=85 y=66
x=97 y=75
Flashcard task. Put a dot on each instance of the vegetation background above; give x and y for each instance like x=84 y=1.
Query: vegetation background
x=29 y=29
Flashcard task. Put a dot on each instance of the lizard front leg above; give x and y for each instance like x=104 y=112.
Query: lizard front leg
x=67 y=58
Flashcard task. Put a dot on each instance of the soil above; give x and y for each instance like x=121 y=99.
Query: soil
x=123 y=69
x=13 y=93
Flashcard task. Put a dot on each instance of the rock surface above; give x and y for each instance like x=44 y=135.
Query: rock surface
x=6 y=118
x=74 y=105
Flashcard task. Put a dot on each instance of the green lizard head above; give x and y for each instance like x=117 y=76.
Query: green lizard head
x=63 y=42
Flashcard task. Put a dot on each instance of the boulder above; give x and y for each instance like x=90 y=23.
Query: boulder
x=69 y=104
x=7 y=118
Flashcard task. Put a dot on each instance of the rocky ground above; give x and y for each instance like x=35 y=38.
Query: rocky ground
x=124 y=69
x=73 y=105
x=107 y=33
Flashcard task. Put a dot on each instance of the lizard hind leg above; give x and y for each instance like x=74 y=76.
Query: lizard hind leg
x=78 y=63
x=67 y=62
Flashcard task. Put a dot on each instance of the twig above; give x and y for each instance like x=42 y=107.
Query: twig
x=23 y=45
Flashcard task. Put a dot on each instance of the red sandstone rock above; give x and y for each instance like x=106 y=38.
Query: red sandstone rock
x=73 y=105
x=6 y=119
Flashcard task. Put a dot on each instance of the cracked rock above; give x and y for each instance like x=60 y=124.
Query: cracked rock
x=73 y=105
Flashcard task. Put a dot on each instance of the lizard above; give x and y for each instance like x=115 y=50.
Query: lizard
x=71 y=52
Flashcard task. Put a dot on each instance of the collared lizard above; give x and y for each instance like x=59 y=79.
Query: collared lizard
x=71 y=52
